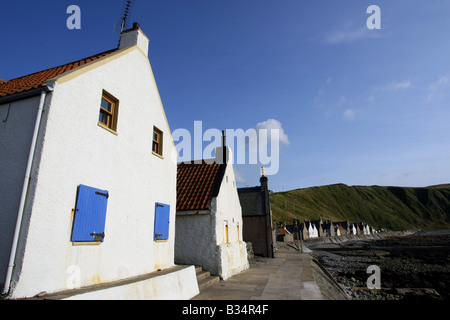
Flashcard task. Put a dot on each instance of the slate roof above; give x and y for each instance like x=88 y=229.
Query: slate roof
x=251 y=199
x=36 y=80
x=197 y=184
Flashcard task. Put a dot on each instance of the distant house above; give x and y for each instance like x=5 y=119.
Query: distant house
x=305 y=230
x=362 y=228
x=341 y=227
x=315 y=229
x=209 y=217
x=328 y=229
x=284 y=235
x=365 y=228
x=339 y=231
x=88 y=180
x=295 y=229
x=257 y=218
x=353 y=229
x=311 y=229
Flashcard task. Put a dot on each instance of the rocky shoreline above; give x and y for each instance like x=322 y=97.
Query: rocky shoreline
x=412 y=266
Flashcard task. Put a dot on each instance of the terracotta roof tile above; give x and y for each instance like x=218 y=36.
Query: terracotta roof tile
x=283 y=231
x=36 y=80
x=196 y=185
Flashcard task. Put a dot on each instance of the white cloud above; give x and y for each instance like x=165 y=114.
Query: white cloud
x=349 y=36
x=349 y=114
x=398 y=85
x=239 y=176
x=439 y=88
x=270 y=124
x=393 y=86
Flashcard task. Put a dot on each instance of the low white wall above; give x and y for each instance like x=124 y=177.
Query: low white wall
x=178 y=285
x=233 y=259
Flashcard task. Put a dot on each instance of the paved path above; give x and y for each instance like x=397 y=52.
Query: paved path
x=288 y=276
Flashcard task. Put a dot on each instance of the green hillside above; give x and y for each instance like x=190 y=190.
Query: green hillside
x=396 y=208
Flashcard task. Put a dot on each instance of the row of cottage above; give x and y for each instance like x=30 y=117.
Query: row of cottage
x=91 y=191
x=317 y=228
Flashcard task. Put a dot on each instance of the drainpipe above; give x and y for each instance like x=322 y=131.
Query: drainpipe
x=26 y=184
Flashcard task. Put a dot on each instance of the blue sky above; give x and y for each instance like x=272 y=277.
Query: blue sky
x=357 y=106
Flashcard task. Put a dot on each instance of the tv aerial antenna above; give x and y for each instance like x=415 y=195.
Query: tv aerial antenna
x=123 y=24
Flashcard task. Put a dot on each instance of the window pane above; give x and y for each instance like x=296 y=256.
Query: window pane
x=106 y=105
x=103 y=117
x=157 y=141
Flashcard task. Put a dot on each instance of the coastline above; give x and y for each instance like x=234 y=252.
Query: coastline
x=413 y=265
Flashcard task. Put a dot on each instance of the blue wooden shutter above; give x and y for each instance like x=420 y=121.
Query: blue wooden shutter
x=90 y=214
x=162 y=217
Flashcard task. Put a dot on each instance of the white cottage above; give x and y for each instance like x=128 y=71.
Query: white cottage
x=88 y=181
x=313 y=231
x=209 y=218
x=353 y=229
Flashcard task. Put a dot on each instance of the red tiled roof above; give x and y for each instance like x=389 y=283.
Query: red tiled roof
x=196 y=185
x=36 y=80
x=283 y=231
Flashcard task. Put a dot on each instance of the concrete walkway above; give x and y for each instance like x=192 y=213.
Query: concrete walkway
x=288 y=276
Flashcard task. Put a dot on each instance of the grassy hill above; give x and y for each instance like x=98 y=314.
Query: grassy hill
x=396 y=208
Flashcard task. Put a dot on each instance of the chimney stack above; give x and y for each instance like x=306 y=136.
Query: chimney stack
x=264 y=182
x=223 y=153
x=134 y=37
x=224 y=145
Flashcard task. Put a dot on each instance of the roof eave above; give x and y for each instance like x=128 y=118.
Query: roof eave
x=82 y=69
x=25 y=94
x=193 y=212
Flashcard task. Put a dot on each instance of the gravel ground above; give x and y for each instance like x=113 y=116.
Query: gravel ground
x=411 y=267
